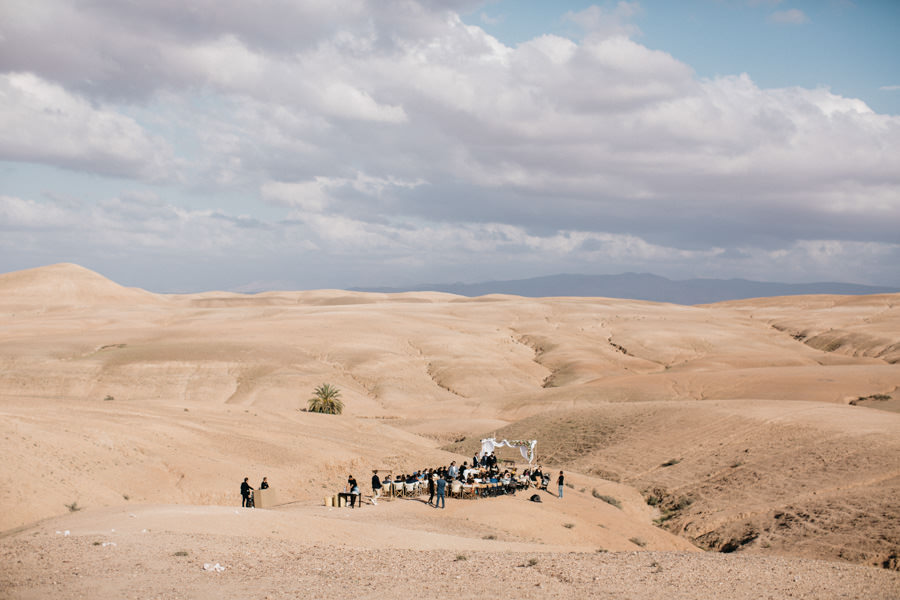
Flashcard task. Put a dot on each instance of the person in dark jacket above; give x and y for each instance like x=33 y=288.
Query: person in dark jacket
x=376 y=487
x=561 y=482
x=265 y=484
x=432 y=486
x=245 y=493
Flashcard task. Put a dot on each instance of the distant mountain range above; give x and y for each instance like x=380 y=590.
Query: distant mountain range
x=641 y=286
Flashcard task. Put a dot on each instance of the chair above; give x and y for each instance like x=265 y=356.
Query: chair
x=456 y=489
x=410 y=489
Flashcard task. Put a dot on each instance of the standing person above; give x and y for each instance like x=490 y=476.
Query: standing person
x=353 y=488
x=431 y=487
x=560 y=482
x=453 y=471
x=245 y=493
x=265 y=484
x=441 y=492
x=376 y=487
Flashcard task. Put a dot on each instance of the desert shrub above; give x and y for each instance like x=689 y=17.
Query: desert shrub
x=326 y=399
x=181 y=553
x=568 y=525
x=682 y=503
x=460 y=557
x=73 y=507
x=638 y=542
x=878 y=397
x=670 y=462
x=490 y=537
x=532 y=562
x=654 y=496
x=607 y=499
x=108 y=398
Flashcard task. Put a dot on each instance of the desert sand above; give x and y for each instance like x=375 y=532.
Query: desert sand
x=752 y=447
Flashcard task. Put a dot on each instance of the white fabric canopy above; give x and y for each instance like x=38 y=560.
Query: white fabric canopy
x=526 y=448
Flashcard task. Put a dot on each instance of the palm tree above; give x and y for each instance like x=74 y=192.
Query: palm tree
x=326 y=399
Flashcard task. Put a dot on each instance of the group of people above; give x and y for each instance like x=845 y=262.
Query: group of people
x=484 y=469
x=247 y=491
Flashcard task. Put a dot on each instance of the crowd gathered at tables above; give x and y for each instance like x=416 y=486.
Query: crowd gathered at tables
x=482 y=478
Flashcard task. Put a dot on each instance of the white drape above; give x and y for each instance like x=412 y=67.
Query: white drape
x=525 y=448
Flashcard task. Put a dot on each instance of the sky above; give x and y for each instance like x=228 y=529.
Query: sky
x=246 y=146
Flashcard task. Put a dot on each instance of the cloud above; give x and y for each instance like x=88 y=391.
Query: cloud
x=45 y=123
x=490 y=20
x=793 y=16
x=600 y=21
x=890 y=88
x=397 y=133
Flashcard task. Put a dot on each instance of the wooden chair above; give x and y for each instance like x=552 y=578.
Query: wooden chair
x=455 y=489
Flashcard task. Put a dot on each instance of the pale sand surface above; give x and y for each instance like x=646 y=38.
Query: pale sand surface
x=161 y=551
x=734 y=419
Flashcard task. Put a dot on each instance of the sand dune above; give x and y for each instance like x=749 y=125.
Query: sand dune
x=114 y=398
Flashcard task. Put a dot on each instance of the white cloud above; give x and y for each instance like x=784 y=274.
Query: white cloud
x=43 y=122
x=311 y=196
x=490 y=20
x=890 y=88
x=599 y=21
x=18 y=214
x=793 y=16
x=397 y=131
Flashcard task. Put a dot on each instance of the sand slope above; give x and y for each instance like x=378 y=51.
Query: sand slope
x=113 y=397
